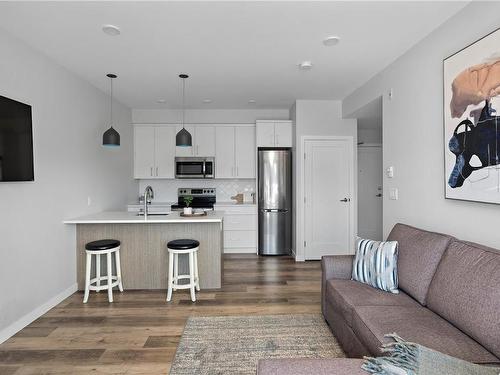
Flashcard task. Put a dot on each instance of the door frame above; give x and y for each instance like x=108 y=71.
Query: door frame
x=381 y=147
x=301 y=212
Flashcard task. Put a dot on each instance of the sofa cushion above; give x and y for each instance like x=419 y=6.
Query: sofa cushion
x=419 y=325
x=302 y=366
x=466 y=292
x=345 y=295
x=419 y=255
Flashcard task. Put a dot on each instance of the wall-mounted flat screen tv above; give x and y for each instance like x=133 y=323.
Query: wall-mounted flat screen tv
x=16 y=141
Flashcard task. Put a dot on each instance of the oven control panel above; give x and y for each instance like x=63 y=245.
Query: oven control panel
x=196 y=192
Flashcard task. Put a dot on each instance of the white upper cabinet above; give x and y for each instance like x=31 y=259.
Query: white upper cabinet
x=224 y=155
x=274 y=133
x=283 y=134
x=265 y=134
x=233 y=148
x=183 y=150
x=154 y=151
x=203 y=138
x=204 y=141
x=244 y=152
x=144 y=151
x=235 y=152
x=164 y=151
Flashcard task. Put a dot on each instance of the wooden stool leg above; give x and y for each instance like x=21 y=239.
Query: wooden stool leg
x=118 y=270
x=98 y=270
x=87 y=278
x=176 y=271
x=110 y=278
x=170 y=275
x=197 y=278
x=191 y=276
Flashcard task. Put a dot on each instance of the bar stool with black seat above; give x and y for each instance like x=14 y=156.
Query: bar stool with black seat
x=97 y=249
x=176 y=248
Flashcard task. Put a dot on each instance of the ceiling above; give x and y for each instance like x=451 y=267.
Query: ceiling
x=233 y=51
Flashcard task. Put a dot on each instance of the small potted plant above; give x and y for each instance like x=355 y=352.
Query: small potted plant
x=188 y=199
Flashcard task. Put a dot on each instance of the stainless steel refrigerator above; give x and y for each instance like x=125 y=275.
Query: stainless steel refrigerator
x=275 y=201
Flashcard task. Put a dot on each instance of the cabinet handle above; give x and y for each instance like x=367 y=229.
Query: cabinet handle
x=156 y=171
x=277 y=139
x=236 y=171
x=151 y=172
x=197 y=150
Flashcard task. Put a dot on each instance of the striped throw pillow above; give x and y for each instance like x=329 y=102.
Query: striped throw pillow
x=376 y=264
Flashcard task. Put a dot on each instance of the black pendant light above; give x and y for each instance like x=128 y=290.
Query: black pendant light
x=183 y=137
x=111 y=137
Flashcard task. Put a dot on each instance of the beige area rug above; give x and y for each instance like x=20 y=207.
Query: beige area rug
x=234 y=344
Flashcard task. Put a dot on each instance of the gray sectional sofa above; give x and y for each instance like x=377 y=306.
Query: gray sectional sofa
x=449 y=300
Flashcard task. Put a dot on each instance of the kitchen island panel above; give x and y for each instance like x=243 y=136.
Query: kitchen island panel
x=144 y=256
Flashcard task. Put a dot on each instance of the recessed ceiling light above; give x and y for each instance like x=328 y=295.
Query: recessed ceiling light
x=331 y=41
x=161 y=101
x=111 y=30
x=305 y=65
x=207 y=101
x=251 y=101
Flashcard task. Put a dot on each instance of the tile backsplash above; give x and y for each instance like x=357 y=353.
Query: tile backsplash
x=166 y=190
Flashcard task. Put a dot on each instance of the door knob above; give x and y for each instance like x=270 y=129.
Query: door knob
x=378 y=195
x=345 y=200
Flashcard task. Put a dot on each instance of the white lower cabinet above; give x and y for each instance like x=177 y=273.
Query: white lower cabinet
x=242 y=239
x=240 y=228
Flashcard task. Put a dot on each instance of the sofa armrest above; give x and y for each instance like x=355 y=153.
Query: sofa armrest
x=334 y=267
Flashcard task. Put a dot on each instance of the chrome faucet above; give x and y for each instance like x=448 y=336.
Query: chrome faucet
x=148 y=195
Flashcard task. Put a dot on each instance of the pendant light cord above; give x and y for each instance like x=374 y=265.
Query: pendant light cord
x=111 y=105
x=183 y=100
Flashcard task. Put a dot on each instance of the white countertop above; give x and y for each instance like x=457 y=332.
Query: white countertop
x=159 y=204
x=233 y=203
x=123 y=217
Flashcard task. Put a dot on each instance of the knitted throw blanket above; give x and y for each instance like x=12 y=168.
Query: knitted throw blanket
x=407 y=358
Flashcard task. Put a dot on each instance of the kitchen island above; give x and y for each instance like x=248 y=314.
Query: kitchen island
x=144 y=257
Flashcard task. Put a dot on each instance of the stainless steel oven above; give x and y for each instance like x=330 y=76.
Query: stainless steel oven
x=193 y=167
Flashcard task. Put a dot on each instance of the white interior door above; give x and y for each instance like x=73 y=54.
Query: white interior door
x=224 y=152
x=244 y=151
x=328 y=188
x=370 y=192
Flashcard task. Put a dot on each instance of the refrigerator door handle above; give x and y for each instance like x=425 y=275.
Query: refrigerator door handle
x=274 y=210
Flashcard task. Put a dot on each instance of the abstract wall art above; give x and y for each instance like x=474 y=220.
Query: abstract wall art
x=472 y=121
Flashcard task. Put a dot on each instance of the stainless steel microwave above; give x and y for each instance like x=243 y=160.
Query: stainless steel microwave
x=193 y=167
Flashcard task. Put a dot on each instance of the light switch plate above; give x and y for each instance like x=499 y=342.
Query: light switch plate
x=390 y=172
x=393 y=194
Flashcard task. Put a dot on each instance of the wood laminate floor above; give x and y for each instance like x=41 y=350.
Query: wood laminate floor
x=139 y=332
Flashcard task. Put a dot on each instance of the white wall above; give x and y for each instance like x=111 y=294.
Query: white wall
x=208 y=116
x=316 y=117
x=413 y=131
x=37 y=251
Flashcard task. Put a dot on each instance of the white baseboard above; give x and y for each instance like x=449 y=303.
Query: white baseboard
x=240 y=250
x=18 y=325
